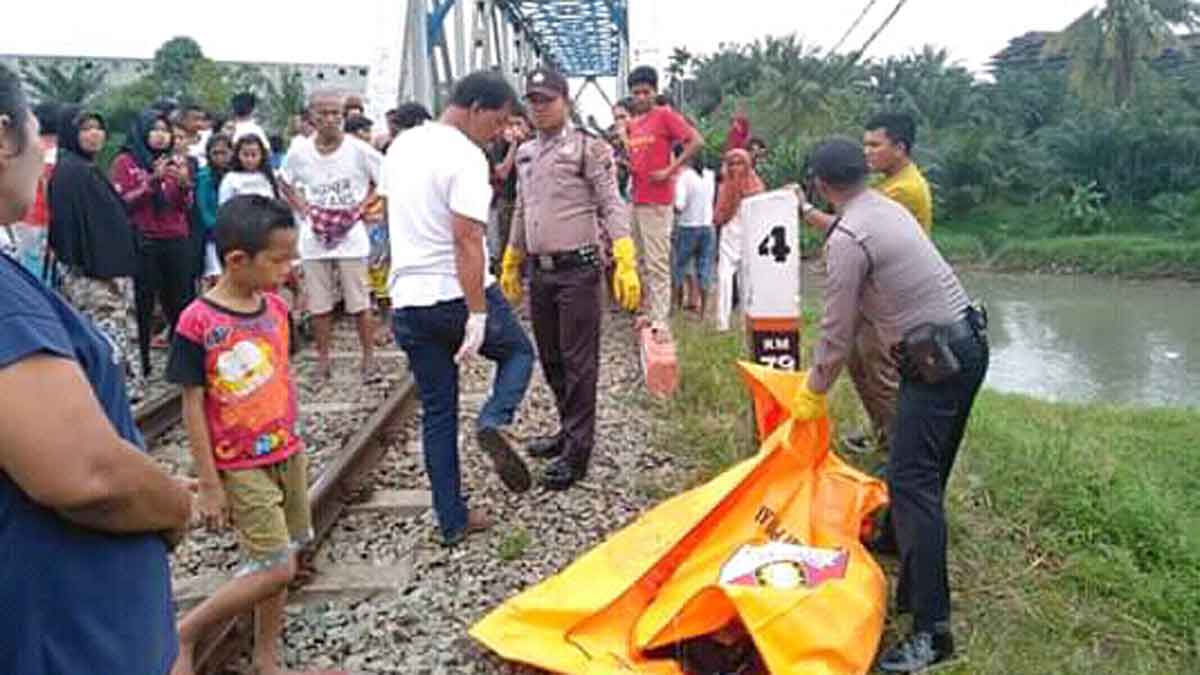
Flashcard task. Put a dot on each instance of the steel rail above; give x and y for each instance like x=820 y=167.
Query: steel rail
x=327 y=496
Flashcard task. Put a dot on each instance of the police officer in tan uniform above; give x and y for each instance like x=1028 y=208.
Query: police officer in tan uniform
x=566 y=192
x=884 y=274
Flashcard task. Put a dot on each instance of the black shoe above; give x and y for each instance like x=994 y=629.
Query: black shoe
x=917 y=652
x=512 y=471
x=545 y=447
x=564 y=472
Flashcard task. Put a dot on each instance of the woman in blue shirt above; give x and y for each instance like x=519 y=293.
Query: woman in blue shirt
x=86 y=517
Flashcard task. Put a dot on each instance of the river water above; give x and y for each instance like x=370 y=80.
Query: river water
x=1092 y=340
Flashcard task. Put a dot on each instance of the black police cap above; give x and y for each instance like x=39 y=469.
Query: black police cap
x=547 y=82
x=839 y=161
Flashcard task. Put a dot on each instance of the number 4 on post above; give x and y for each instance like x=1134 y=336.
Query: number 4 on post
x=775 y=244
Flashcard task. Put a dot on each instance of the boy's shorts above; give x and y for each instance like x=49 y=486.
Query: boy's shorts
x=270 y=511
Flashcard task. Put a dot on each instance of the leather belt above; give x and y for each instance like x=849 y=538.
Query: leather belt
x=586 y=256
x=960 y=330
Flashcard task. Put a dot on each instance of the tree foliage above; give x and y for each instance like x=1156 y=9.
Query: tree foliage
x=51 y=83
x=1110 y=44
x=1022 y=137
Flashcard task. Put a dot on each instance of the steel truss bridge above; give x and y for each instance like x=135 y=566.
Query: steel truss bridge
x=425 y=45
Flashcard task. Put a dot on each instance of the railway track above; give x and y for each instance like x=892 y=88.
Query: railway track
x=156 y=417
x=347 y=427
x=329 y=493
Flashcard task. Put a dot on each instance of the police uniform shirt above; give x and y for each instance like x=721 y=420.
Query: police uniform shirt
x=566 y=191
x=882 y=269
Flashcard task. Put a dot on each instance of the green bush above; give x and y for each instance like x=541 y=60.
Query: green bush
x=1081 y=210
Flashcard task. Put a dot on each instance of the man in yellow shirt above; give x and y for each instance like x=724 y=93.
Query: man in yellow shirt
x=888 y=142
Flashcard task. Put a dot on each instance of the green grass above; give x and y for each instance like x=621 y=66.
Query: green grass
x=1075 y=530
x=1025 y=238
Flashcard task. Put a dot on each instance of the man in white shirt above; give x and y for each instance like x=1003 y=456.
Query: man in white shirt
x=695 y=238
x=329 y=182
x=447 y=306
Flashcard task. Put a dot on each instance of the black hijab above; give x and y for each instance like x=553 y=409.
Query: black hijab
x=138 y=145
x=89 y=228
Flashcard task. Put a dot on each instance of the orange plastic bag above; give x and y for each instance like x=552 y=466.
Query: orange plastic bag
x=772 y=544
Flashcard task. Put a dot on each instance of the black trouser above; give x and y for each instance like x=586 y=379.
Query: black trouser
x=166 y=273
x=565 y=307
x=929 y=426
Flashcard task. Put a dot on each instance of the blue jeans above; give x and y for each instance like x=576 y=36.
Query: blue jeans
x=430 y=336
x=698 y=244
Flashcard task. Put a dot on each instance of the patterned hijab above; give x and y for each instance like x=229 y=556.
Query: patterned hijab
x=740 y=181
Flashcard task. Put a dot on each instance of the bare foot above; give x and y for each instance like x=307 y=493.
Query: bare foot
x=183 y=662
x=324 y=368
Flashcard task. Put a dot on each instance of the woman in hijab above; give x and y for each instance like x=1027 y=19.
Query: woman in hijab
x=91 y=236
x=740 y=181
x=156 y=187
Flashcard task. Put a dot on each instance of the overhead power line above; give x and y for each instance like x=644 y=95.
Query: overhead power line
x=867 y=45
x=854 y=26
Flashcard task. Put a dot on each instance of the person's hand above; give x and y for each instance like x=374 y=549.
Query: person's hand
x=510 y=274
x=175 y=536
x=662 y=175
x=212 y=506
x=472 y=337
x=178 y=170
x=807 y=404
x=160 y=167
x=799 y=190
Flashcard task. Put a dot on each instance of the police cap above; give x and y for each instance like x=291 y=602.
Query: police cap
x=547 y=82
x=839 y=162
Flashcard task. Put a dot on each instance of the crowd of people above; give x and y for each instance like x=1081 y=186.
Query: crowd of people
x=440 y=227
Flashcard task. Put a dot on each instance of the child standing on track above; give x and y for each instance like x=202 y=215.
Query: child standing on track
x=230 y=355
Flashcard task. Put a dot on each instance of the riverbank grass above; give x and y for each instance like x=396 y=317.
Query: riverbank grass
x=1026 y=238
x=1075 y=530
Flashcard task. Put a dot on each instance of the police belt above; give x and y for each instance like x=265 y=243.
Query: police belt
x=585 y=256
x=925 y=352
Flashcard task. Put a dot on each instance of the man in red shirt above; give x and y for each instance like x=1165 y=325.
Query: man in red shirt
x=653 y=132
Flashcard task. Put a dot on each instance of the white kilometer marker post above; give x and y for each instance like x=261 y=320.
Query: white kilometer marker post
x=771 y=278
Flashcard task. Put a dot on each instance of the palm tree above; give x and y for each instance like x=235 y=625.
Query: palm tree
x=677 y=68
x=284 y=98
x=49 y=82
x=1109 y=42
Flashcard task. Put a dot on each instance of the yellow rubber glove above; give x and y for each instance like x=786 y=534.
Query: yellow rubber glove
x=808 y=404
x=626 y=284
x=510 y=274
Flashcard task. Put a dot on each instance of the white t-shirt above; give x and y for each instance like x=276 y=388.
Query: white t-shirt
x=431 y=172
x=340 y=180
x=244 y=183
x=199 y=150
x=251 y=127
x=694 y=198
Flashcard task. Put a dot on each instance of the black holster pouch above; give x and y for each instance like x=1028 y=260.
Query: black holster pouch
x=925 y=354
